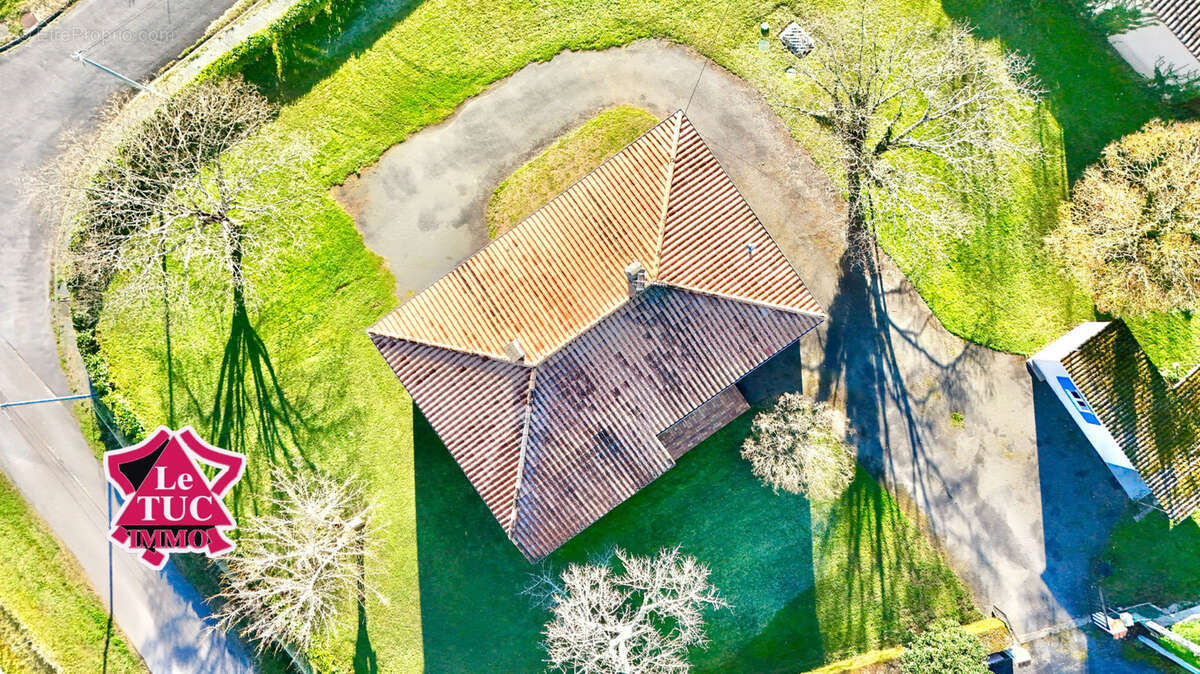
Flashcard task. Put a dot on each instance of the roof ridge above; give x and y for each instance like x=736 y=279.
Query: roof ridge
x=702 y=153
x=487 y=291
x=524 y=447
x=678 y=116
x=744 y=300
x=447 y=347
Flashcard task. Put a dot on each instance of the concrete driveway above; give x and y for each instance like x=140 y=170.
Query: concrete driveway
x=1019 y=502
x=41 y=449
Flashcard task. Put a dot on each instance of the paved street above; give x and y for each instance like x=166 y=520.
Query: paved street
x=41 y=449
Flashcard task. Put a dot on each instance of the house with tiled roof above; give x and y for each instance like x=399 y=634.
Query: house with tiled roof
x=574 y=359
x=1145 y=428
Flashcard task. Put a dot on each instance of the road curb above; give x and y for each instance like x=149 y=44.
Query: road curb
x=36 y=29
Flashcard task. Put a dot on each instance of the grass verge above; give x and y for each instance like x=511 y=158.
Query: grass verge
x=1188 y=629
x=44 y=590
x=566 y=160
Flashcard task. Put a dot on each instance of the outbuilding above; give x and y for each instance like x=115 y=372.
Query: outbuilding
x=1145 y=429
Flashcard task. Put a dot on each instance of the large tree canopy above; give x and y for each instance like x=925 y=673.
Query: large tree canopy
x=639 y=617
x=298 y=563
x=918 y=115
x=1131 y=232
x=178 y=192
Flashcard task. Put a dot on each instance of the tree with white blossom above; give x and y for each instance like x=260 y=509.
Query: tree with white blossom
x=797 y=445
x=641 y=616
x=297 y=563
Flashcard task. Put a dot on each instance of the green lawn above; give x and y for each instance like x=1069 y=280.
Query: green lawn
x=1179 y=651
x=1188 y=629
x=43 y=588
x=566 y=160
x=1150 y=561
x=389 y=68
x=1001 y=290
x=805 y=584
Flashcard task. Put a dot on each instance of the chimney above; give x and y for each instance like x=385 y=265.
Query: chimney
x=514 y=350
x=636 y=274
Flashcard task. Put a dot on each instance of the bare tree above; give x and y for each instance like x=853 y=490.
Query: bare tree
x=181 y=190
x=796 y=445
x=641 y=617
x=298 y=563
x=1131 y=233
x=919 y=117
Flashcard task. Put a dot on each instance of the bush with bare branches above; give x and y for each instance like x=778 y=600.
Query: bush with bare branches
x=1131 y=233
x=918 y=115
x=796 y=445
x=297 y=564
x=640 y=617
x=178 y=192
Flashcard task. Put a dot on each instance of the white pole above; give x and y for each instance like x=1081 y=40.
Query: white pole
x=78 y=56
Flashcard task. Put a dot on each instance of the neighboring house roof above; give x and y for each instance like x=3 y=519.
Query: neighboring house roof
x=555 y=439
x=1156 y=424
x=1181 y=17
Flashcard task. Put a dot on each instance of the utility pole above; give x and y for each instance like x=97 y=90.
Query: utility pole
x=78 y=56
x=17 y=403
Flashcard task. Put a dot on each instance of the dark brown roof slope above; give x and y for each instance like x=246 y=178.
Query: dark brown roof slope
x=1155 y=424
x=554 y=441
x=1181 y=17
x=599 y=404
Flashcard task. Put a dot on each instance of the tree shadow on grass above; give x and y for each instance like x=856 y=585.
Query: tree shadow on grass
x=315 y=50
x=250 y=412
x=248 y=390
x=758 y=545
x=1094 y=95
x=365 y=660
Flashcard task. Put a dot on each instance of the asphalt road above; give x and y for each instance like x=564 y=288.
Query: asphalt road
x=45 y=94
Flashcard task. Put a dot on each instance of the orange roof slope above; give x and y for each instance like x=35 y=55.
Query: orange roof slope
x=553 y=441
x=663 y=201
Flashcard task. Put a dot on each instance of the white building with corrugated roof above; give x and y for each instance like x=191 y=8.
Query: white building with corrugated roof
x=1170 y=44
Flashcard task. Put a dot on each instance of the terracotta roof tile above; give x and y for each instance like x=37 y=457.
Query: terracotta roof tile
x=553 y=442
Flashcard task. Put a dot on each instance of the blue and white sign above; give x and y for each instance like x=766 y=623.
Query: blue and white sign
x=1081 y=403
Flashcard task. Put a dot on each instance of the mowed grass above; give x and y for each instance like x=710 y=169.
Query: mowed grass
x=1188 y=629
x=43 y=587
x=1002 y=289
x=1151 y=561
x=389 y=68
x=998 y=287
x=566 y=160
x=806 y=584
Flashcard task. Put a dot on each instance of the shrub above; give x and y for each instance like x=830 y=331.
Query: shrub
x=944 y=648
x=1131 y=233
x=796 y=445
